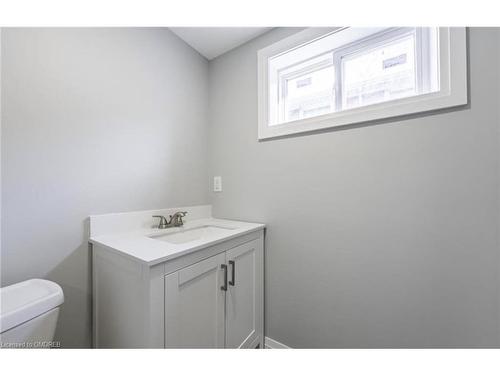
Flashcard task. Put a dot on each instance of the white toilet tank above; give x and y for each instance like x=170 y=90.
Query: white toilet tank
x=28 y=314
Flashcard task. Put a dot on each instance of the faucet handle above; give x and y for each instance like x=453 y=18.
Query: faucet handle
x=179 y=214
x=163 y=221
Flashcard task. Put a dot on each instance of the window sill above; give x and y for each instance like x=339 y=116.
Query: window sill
x=417 y=104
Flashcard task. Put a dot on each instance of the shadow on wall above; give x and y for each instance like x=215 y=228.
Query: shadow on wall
x=75 y=318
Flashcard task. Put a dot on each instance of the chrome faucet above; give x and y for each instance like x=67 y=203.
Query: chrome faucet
x=175 y=220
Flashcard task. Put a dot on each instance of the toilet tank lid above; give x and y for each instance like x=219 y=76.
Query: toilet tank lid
x=26 y=300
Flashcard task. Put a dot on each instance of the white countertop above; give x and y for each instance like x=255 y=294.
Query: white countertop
x=139 y=246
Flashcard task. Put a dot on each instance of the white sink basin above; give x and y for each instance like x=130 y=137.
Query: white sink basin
x=205 y=232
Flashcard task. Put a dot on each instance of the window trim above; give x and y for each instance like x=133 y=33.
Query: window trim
x=452 y=83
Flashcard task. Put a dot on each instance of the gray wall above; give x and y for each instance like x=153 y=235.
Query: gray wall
x=94 y=121
x=381 y=235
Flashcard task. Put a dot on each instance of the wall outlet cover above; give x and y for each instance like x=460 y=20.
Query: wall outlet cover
x=217 y=183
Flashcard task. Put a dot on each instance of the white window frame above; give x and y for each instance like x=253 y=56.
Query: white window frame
x=452 y=85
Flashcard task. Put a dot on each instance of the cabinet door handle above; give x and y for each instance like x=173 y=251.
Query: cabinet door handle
x=224 y=287
x=233 y=271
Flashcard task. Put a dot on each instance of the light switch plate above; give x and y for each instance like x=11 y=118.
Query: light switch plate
x=217 y=183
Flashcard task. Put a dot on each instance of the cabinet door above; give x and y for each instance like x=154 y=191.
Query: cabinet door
x=194 y=305
x=244 y=297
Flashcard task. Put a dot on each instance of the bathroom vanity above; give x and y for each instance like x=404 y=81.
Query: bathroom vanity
x=196 y=286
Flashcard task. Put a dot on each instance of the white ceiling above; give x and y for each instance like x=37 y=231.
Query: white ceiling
x=214 y=41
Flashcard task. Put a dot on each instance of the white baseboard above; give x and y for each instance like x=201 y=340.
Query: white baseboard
x=269 y=343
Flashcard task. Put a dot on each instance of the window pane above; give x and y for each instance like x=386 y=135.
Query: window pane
x=383 y=73
x=309 y=94
x=351 y=68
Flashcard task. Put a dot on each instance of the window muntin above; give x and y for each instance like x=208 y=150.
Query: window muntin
x=384 y=65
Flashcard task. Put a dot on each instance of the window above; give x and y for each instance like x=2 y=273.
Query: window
x=322 y=78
